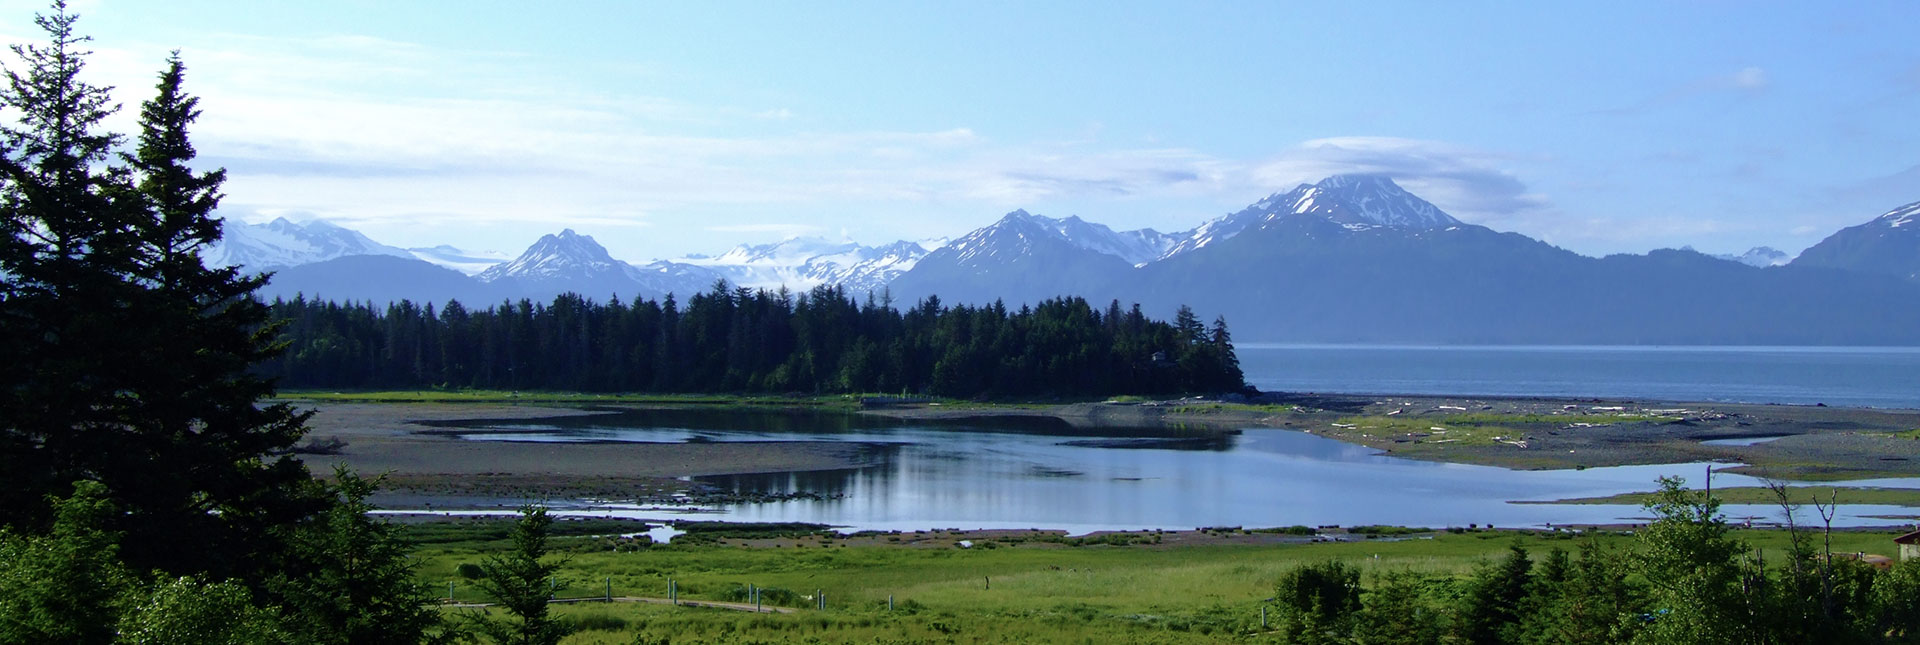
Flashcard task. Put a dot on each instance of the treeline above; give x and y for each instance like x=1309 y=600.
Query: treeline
x=732 y=339
x=1687 y=580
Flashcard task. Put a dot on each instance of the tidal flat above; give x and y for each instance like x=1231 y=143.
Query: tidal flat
x=407 y=438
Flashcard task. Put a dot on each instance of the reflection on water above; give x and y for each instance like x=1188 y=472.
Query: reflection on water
x=1050 y=475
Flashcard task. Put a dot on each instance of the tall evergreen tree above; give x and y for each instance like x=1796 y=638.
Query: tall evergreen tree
x=128 y=361
x=64 y=252
x=224 y=452
x=521 y=581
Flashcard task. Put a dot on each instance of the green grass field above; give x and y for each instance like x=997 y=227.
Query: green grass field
x=1032 y=592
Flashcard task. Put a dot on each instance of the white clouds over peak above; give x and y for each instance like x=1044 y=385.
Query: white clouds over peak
x=1466 y=182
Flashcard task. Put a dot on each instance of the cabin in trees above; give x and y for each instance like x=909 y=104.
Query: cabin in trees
x=1909 y=546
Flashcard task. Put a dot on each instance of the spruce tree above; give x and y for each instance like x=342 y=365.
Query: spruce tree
x=65 y=248
x=521 y=581
x=128 y=361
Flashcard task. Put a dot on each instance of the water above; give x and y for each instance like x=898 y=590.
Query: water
x=1882 y=377
x=1041 y=474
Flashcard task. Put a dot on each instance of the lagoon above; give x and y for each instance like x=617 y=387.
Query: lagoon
x=1046 y=474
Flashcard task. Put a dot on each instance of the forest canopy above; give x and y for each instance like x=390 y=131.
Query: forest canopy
x=731 y=339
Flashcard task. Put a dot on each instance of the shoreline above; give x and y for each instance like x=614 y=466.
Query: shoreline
x=428 y=464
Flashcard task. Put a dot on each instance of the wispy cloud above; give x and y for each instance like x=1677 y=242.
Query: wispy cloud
x=789 y=230
x=1464 y=181
x=1746 y=81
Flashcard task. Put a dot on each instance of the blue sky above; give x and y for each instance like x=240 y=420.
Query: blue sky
x=665 y=129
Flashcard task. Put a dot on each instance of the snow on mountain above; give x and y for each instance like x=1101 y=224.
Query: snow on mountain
x=802 y=263
x=562 y=256
x=467 y=262
x=284 y=243
x=1357 y=202
x=573 y=262
x=1900 y=217
x=1011 y=235
x=662 y=277
x=1759 y=256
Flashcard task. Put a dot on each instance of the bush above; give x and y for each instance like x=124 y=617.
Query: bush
x=470 y=571
x=597 y=622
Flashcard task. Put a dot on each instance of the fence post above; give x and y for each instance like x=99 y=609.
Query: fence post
x=1263 y=617
x=673 y=593
x=889 y=602
x=820 y=600
x=449 y=591
x=609 y=588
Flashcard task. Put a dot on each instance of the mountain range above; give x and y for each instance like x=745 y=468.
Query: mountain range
x=1352 y=258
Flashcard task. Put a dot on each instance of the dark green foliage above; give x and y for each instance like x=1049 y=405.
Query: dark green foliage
x=1896 y=603
x=521 y=582
x=1396 y=611
x=1697 y=588
x=1321 y=595
x=737 y=340
x=1491 y=611
x=63 y=587
x=351 y=581
x=127 y=361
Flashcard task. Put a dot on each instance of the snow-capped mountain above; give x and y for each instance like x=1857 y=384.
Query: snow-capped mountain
x=573 y=262
x=802 y=263
x=1889 y=244
x=1019 y=230
x=464 y=261
x=1759 y=256
x=1136 y=247
x=284 y=243
x=1020 y=258
x=1354 y=201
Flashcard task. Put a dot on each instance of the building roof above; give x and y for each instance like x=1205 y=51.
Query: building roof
x=1910 y=538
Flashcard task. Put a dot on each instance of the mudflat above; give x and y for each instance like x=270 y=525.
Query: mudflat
x=423 y=463
x=389 y=439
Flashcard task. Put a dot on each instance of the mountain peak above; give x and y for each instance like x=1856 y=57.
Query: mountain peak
x=1367 y=200
x=556 y=255
x=1356 y=201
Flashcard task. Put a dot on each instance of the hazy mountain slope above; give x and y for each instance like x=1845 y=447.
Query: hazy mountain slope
x=1305 y=279
x=379 y=279
x=464 y=261
x=1888 y=245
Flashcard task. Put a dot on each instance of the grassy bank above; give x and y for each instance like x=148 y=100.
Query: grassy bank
x=564 y=398
x=1802 y=495
x=1001 y=590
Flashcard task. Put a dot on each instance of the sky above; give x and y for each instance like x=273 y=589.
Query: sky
x=664 y=129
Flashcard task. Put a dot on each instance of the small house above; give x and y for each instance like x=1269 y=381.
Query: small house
x=1909 y=546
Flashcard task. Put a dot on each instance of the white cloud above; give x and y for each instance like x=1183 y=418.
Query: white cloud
x=1466 y=182
x=1749 y=78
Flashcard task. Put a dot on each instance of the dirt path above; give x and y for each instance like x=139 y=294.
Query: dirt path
x=707 y=604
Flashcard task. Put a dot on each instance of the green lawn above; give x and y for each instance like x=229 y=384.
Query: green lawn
x=1033 y=592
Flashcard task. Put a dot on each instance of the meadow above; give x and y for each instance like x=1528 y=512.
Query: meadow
x=1012 y=589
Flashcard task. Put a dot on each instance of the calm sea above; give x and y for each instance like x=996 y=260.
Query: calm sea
x=1881 y=377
